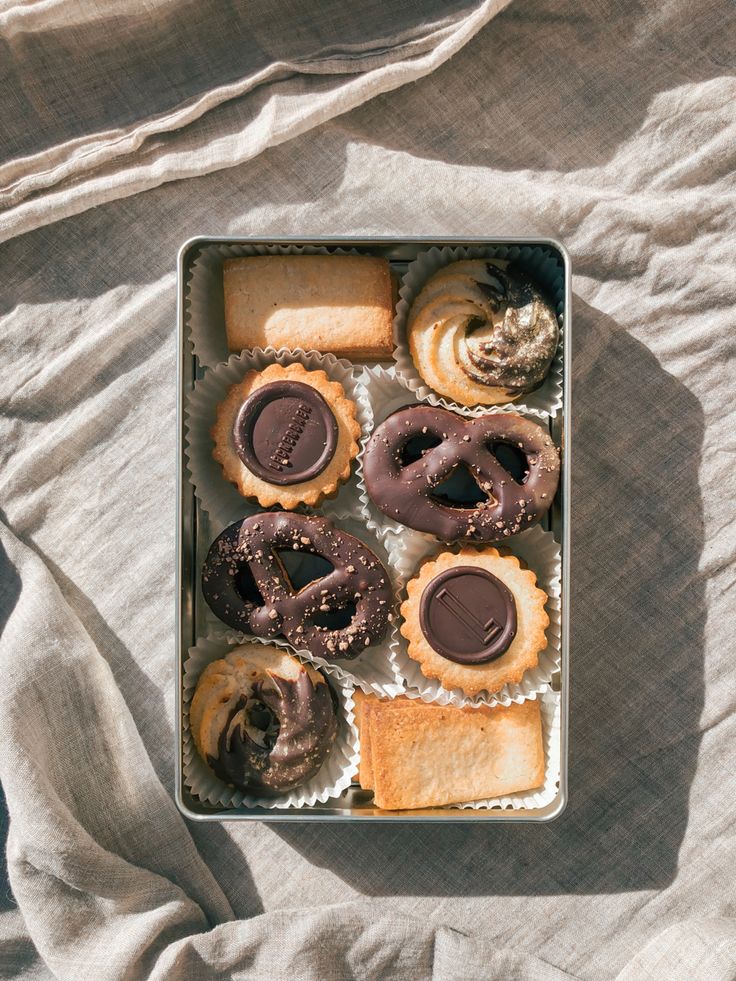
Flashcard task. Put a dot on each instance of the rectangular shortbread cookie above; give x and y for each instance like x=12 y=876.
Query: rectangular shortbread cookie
x=364 y=707
x=438 y=755
x=335 y=303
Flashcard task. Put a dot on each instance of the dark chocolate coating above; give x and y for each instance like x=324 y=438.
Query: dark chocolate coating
x=307 y=730
x=285 y=432
x=517 y=353
x=358 y=577
x=468 y=615
x=405 y=492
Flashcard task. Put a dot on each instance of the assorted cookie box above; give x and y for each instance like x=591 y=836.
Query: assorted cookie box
x=373 y=530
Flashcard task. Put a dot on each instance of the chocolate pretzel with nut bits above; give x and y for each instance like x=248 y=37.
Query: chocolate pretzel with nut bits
x=338 y=614
x=481 y=479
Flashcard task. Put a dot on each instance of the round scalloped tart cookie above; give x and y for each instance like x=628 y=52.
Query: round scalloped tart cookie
x=286 y=436
x=475 y=620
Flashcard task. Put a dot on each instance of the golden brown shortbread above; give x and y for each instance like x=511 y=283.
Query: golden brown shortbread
x=436 y=755
x=361 y=698
x=337 y=303
x=365 y=706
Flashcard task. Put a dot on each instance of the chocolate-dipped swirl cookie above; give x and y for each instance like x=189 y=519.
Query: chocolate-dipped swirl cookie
x=261 y=720
x=482 y=334
x=341 y=610
x=479 y=479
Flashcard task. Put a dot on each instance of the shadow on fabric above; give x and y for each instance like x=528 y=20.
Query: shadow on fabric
x=224 y=45
x=558 y=87
x=10 y=587
x=638 y=617
x=156 y=727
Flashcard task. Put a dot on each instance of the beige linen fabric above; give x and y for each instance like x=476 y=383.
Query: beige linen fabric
x=133 y=95
x=608 y=125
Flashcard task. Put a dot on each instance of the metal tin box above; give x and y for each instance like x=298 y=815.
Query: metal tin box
x=193 y=538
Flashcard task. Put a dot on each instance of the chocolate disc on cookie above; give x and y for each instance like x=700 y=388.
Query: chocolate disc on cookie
x=475 y=620
x=285 y=432
x=468 y=615
x=286 y=435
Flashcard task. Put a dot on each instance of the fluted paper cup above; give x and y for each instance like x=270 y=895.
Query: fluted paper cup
x=534 y=799
x=204 y=301
x=387 y=393
x=375 y=670
x=218 y=496
x=539 y=550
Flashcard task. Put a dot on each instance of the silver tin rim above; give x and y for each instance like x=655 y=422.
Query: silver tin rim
x=186 y=519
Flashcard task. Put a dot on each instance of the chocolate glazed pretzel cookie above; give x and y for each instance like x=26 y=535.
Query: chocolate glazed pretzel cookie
x=338 y=614
x=480 y=479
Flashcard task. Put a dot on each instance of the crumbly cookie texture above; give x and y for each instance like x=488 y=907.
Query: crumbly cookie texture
x=337 y=303
x=425 y=754
x=365 y=705
x=310 y=492
x=481 y=333
x=362 y=703
x=531 y=623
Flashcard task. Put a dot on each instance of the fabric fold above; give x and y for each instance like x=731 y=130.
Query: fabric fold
x=282 y=99
x=94 y=837
x=102 y=865
x=607 y=126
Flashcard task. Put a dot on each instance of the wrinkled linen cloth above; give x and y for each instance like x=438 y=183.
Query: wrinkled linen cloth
x=125 y=129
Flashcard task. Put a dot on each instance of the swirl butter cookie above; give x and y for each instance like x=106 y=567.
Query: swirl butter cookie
x=481 y=334
x=286 y=435
x=475 y=620
x=261 y=720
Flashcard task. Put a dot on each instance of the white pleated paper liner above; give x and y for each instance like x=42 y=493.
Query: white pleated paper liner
x=334 y=777
x=218 y=496
x=547 y=270
x=534 y=799
x=539 y=550
x=387 y=392
x=375 y=671
x=204 y=301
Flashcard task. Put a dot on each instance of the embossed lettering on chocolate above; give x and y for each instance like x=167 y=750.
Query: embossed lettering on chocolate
x=339 y=613
x=285 y=432
x=468 y=615
x=482 y=479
